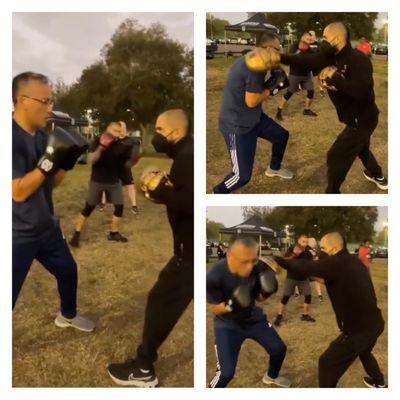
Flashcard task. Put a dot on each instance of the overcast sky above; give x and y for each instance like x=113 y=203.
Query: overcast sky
x=60 y=45
x=231 y=216
x=234 y=18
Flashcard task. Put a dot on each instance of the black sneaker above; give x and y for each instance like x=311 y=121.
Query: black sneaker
x=278 y=320
x=369 y=382
x=278 y=115
x=309 y=112
x=117 y=237
x=129 y=373
x=381 y=182
x=320 y=298
x=135 y=210
x=307 y=318
x=74 y=241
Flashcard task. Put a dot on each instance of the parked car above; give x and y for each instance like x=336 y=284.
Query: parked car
x=381 y=252
x=381 y=49
x=243 y=41
x=234 y=41
x=211 y=48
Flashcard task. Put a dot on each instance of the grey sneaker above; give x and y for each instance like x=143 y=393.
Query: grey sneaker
x=281 y=173
x=78 y=322
x=278 y=381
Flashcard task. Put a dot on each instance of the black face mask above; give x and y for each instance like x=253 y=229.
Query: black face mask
x=322 y=254
x=327 y=49
x=160 y=143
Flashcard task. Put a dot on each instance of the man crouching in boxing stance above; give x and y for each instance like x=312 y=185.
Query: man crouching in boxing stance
x=107 y=158
x=39 y=163
x=233 y=286
x=173 y=291
x=353 y=298
x=241 y=118
x=347 y=74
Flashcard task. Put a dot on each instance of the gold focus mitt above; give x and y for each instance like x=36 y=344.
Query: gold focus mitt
x=151 y=179
x=325 y=74
x=262 y=59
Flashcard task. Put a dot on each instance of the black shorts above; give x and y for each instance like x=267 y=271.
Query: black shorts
x=126 y=177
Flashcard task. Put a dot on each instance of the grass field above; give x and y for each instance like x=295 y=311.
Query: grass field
x=310 y=139
x=114 y=280
x=305 y=341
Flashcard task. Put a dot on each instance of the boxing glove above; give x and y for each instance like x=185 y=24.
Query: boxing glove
x=106 y=140
x=268 y=282
x=60 y=145
x=240 y=299
x=277 y=81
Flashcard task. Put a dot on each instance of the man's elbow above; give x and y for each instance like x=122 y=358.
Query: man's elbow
x=251 y=103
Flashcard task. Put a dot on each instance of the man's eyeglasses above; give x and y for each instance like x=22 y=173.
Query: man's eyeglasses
x=44 y=102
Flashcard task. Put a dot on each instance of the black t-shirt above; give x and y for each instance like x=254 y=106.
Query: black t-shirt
x=304 y=255
x=34 y=216
x=107 y=169
x=220 y=285
x=299 y=70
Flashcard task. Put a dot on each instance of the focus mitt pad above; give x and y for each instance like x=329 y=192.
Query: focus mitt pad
x=262 y=59
x=325 y=75
x=152 y=178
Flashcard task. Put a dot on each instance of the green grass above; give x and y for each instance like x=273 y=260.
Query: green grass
x=114 y=280
x=305 y=341
x=310 y=139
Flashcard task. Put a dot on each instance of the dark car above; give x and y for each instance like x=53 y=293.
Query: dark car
x=381 y=252
x=381 y=49
x=211 y=48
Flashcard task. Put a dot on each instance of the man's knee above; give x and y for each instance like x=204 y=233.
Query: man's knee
x=87 y=210
x=307 y=299
x=279 y=349
x=118 y=210
x=285 y=300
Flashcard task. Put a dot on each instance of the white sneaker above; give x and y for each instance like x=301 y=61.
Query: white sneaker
x=281 y=173
x=78 y=322
x=278 y=381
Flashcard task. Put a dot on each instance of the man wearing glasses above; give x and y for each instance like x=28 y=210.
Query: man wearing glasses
x=233 y=286
x=38 y=165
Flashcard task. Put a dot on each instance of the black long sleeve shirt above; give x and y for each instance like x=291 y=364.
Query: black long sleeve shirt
x=349 y=288
x=354 y=99
x=179 y=198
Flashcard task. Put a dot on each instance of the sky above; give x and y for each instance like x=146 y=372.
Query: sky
x=234 y=18
x=61 y=45
x=231 y=216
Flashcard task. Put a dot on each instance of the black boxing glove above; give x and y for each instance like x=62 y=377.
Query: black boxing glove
x=240 y=299
x=80 y=146
x=268 y=282
x=59 y=145
x=276 y=82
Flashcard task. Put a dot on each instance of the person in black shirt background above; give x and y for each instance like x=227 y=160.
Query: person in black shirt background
x=300 y=77
x=173 y=291
x=107 y=157
x=354 y=303
x=351 y=89
x=293 y=280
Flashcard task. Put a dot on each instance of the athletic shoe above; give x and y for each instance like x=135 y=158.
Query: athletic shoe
x=369 y=382
x=278 y=320
x=129 y=373
x=281 y=173
x=74 y=241
x=309 y=112
x=307 y=318
x=278 y=381
x=102 y=206
x=117 y=237
x=381 y=182
x=320 y=298
x=78 y=322
x=135 y=210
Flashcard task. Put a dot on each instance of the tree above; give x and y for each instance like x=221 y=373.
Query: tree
x=215 y=28
x=360 y=23
x=382 y=35
x=141 y=73
x=355 y=223
x=213 y=229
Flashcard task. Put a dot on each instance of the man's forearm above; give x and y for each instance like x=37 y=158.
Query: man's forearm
x=59 y=177
x=24 y=187
x=218 y=309
x=95 y=156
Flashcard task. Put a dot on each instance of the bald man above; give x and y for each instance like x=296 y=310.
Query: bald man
x=351 y=90
x=173 y=291
x=354 y=302
x=107 y=158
